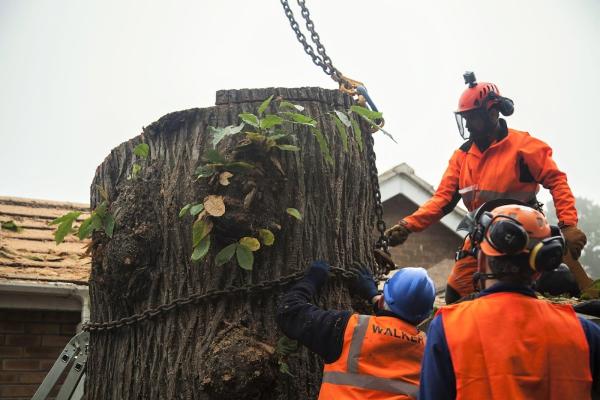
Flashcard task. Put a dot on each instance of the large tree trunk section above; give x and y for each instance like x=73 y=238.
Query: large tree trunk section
x=220 y=349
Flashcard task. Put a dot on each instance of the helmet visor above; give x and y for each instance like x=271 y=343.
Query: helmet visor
x=461 y=122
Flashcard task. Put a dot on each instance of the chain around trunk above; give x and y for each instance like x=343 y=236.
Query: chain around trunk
x=210 y=295
x=264 y=286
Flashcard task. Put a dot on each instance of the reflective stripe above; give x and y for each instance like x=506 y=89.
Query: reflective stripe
x=360 y=330
x=372 y=383
x=468 y=189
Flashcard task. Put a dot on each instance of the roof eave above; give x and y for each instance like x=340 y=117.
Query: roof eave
x=401 y=179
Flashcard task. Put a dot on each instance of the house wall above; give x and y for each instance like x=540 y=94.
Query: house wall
x=30 y=343
x=422 y=249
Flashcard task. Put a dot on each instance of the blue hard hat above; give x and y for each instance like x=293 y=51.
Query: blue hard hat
x=410 y=294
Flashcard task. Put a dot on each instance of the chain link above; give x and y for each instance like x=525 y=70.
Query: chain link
x=324 y=61
x=320 y=58
x=210 y=295
x=382 y=242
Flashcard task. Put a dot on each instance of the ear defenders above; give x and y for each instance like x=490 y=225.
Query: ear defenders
x=503 y=104
x=507 y=236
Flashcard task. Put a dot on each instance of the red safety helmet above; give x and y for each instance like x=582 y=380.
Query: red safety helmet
x=479 y=97
x=476 y=96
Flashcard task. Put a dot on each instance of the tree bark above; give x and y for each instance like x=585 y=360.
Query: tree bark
x=222 y=348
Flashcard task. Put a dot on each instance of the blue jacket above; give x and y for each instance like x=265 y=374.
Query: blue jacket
x=437 y=374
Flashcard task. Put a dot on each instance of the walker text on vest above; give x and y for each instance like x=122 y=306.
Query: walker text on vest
x=393 y=332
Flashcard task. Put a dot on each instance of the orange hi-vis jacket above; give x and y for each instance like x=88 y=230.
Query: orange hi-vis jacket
x=512 y=346
x=512 y=167
x=380 y=359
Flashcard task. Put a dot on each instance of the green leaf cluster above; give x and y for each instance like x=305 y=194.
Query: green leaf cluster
x=200 y=234
x=99 y=219
x=65 y=225
x=135 y=170
x=284 y=368
x=297 y=118
x=267 y=130
x=269 y=139
x=286 y=105
x=266 y=237
x=142 y=151
x=343 y=123
x=216 y=163
x=371 y=117
x=285 y=347
x=192 y=209
x=271 y=131
x=10 y=226
x=219 y=133
x=268 y=127
x=201 y=250
x=294 y=213
x=323 y=146
x=243 y=250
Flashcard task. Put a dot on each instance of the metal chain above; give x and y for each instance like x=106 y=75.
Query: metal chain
x=382 y=242
x=321 y=59
x=213 y=294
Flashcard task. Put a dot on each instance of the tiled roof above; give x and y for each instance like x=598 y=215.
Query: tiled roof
x=32 y=254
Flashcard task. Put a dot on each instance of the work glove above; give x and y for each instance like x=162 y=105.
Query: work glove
x=363 y=284
x=398 y=233
x=575 y=240
x=318 y=273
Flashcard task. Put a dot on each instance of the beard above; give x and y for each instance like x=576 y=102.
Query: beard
x=483 y=137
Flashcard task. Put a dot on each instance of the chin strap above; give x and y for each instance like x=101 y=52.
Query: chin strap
x=479 y=279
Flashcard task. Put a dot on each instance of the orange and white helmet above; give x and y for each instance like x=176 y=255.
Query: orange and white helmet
x=515 y=229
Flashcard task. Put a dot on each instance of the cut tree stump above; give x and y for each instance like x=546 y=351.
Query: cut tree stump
x=224 y=348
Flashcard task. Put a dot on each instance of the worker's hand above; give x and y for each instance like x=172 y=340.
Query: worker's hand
x=318 y=273
x=398 y=233
x=363 y=284
x=575 y=240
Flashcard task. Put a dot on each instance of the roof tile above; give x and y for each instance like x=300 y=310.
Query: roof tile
x=31 y=253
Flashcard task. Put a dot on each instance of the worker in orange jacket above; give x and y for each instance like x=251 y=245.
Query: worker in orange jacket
x=375 y=357
x=507 y=343
x=494 y=162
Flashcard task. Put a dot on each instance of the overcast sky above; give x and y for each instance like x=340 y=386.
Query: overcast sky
x=77 y=78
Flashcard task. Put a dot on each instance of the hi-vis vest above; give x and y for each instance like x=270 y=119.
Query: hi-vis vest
x=512 y=346
x=380 y=359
